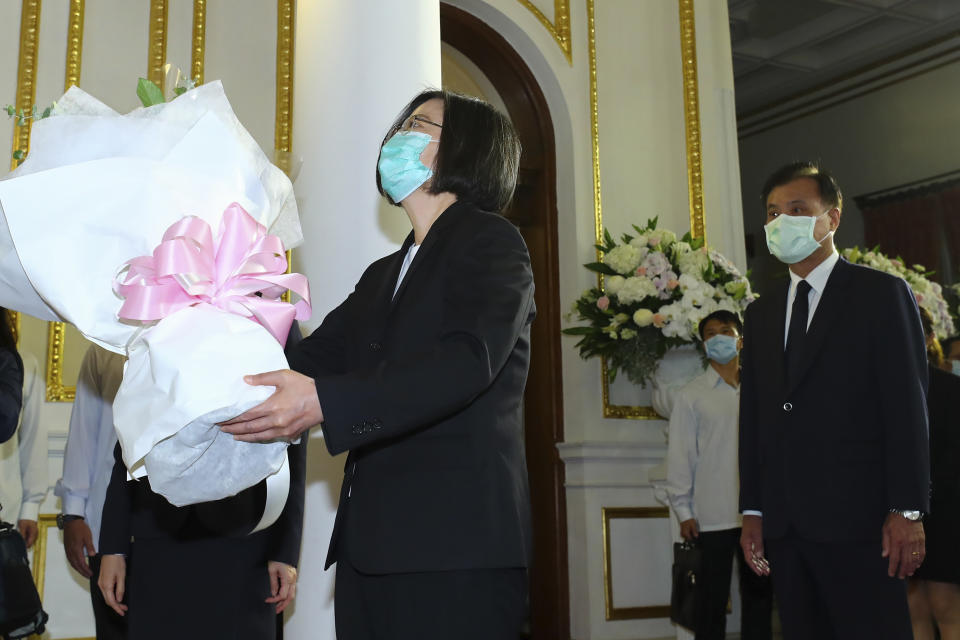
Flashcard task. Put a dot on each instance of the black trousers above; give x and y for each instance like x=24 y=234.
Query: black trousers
x=476 y=604
x=109 y=625
x=836 y=591
x=718 y=551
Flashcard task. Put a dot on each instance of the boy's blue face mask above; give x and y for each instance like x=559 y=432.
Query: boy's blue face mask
x=401 y=172
x=721 y=348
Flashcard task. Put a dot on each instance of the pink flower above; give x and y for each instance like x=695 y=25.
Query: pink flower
x=659 y=320
x=919 y=297
x=641 y=271
x=603 y=302
x=673 y=284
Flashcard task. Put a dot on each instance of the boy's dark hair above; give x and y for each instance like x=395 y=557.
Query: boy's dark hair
x=724 y=316
x=478 y=154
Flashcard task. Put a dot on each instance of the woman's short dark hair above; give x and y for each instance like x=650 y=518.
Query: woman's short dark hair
x=478 y=154
x=724 y=316
x=829 y=190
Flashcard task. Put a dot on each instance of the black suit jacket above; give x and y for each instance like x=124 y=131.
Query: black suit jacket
x=425 y=390
x=831 y=453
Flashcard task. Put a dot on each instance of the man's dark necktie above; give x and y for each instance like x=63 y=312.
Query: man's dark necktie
x=798 y=330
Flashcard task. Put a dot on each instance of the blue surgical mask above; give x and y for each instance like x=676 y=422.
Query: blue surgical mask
x=401 y=172
x=721 y=348
x=955 y=367
x=790 y=238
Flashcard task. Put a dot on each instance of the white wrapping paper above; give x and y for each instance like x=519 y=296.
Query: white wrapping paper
x=98 y=189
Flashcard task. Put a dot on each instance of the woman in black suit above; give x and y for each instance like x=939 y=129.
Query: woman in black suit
x=420 y=375
x=934 y=590
x=196 y=572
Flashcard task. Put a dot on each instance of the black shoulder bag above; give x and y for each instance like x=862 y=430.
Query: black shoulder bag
x=686 y=572
x=21 y=613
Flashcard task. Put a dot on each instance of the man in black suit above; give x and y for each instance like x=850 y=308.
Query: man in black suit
x=834 y=469
x=420 y=375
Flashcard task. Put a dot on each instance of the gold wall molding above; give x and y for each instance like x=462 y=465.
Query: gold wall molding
x=74 y=44
x=198 y=43
x=286 y=15
x=559 y=28
x=56 y=348
x=26 y=95
x=157 y=51
x=26 y=72
x=691 y=111
x=44 y=522
x=627 y=613
x=56 y=331
x=691 y=116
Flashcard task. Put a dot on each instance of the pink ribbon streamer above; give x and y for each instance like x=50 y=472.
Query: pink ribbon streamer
x=242 y=273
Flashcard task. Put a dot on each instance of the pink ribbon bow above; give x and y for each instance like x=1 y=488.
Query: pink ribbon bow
x=243 y=273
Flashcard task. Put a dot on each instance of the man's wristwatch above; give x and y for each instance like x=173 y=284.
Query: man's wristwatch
x=64 y=518
x=912 y=516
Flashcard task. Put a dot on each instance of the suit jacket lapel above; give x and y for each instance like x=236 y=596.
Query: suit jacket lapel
x=389 y=280
x=429 y=242
x=774 y=339
x=829 y=306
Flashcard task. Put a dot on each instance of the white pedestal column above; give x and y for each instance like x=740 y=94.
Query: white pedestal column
x=356 y=65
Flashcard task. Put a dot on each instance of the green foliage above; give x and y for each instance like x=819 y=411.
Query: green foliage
x=149 y=93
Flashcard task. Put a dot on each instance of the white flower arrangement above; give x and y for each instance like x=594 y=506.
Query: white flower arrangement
x=929 y=294
x=656 y=289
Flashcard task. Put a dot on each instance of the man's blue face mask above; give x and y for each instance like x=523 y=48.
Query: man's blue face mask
x=401 y=172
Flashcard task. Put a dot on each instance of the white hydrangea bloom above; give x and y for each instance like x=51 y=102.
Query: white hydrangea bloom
x=623 y=259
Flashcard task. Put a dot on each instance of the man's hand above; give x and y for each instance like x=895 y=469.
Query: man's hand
x=78 y=545
x=291 y=410
x=689 y=529
x=904 y=543
x=283 y=584
x=113 y=580
x=29 y=530
x=751 y=542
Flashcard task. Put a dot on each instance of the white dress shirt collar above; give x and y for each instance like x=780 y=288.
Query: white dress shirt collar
x=817 y=279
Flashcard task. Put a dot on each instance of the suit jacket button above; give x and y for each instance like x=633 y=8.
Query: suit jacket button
x=375 y=346
x=787 y=406
x=356 y=430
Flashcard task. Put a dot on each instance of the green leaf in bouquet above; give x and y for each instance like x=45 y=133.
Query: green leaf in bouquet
x=46 y=112
x=579 y=331
x=179 y=91
x=652 y=223
x=149 y=93
x=608 y=239
x=10 y=110
x=626 y=238
x=599 y=267
x=600 y=247
x=18 y=154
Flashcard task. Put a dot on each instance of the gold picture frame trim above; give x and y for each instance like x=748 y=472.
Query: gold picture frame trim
x=559 y=28
x=627 y=613
x=157 y=50
x=198 y=42
x=691 y=111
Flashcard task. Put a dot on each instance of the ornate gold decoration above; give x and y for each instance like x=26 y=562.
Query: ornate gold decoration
x=691 y=115
x=286 y=13
x=56 y=339
x=56 y=331
x=74 y=44
x=26 y=95
x=26 y=72
x=559 y=28
x=44 y=522
x=157 y=53
x=283 y=127
x=691 y=109
x=199 y=43
x=627 y=613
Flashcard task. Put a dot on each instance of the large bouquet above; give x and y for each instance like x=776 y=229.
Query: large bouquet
x=655 y=291
x=160 y=234
x=929 y=294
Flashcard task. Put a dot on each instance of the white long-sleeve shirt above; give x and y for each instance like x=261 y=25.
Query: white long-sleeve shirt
x=88 y=459
x=23 y=458
x=703 y=479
